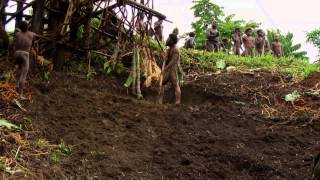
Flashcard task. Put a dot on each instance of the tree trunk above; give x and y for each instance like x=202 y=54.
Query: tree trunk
x=87 y=32
x=55 y=19
x=20 y=14
x=3 y=17
x=37 y=16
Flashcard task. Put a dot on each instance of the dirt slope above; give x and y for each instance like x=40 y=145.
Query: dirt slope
x=230 y=126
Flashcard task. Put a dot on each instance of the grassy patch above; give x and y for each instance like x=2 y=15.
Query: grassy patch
x=298 y=68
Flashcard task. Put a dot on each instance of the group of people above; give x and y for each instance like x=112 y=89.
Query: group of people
x=246 y=45
x=258 y=45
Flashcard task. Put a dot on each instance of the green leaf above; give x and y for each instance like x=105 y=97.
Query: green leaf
x=106 y=65
x=6 y=124
x=292 y=97
x=221 y=64
x=129 y=81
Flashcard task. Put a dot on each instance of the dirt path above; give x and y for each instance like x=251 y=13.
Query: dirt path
x=219 y=133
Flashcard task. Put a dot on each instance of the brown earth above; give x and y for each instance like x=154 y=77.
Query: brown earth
x=230 y=126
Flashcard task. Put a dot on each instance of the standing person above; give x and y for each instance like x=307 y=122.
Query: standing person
x=237 y=41
x=190 y=42
x=22 y=47
x=170 y=73
x=261 y=43
x=277 y=49
x=212 y=44
x=158 y=29
x=249 y=43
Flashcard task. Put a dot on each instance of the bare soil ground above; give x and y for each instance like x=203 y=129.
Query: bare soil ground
x=230 y=126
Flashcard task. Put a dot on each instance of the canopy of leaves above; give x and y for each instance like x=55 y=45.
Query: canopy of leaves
x=314 y=37
x=289 y=48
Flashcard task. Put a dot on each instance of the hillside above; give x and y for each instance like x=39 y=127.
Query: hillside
x=231 y=125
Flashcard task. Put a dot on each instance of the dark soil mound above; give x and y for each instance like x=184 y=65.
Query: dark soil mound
x=230 y=126
x=312 y=81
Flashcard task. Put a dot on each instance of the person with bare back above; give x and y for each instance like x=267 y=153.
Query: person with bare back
x=237 y=41
x=170 y=73
x=212 y=44
x=262 y=45
x=22 y=47
x=249 y=43
x=277 y=49
x=190 y=42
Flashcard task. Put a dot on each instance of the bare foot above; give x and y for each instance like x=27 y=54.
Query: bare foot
x=177 y=103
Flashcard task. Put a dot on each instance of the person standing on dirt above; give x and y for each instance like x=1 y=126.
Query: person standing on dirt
x=190 y=42
x=237 y=41
x=277 y=49
x=158 y=30
x=262 y=45
x=249 y=43
x=22 y=47
x=212 y=44
x=170 y=73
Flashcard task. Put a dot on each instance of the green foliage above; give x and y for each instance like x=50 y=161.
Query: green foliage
x=46 y=75
x=7 y=75
x=314 y=37
x=40 y=144
x=8 y=125
x=95 y=22
x=292 y=96
x=28 y=120
x=298 y=68
x=205 y=11
x=58 y=152
x=62 y=148
x=6 y=169
x=55 y=158
x=289 y=48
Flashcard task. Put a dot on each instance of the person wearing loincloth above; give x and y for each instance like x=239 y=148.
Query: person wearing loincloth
x=170 y=73
x=22 y=47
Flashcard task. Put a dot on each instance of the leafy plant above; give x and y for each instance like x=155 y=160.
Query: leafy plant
x=55 y=158
x=6 y=169
x=314 y=37
x=62 y=148
x=46 y=75
x=40 y=144
x=292 y=96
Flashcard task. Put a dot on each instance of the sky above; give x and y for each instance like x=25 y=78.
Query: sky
x=298 y=17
